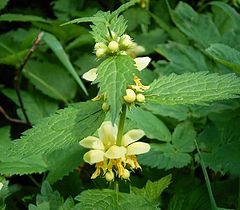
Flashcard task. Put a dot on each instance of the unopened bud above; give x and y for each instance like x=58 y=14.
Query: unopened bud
x=101 y=52
x=130 y=96
x=140 y=98
x=113 y=46
x=105 y=107
x=126 y=174
x=126 y=41
x=99 y=45
x=109 y=176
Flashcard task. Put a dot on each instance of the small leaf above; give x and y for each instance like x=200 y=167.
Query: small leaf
x=114 y=74
x=57 y=48
x=225 y=55
x=3 y=4
x=153 y=127
x=193 y=88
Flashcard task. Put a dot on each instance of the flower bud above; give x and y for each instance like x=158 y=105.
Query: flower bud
x=126 y=174
x=105 y=107
x=113 y=46
x=109 y=176
x=130 y=96
x=126 y=41
x=113 y=35
x=99 y=45
x=101 y=52
x=140 y=98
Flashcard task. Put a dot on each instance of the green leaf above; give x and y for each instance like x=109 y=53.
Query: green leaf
x=225 y=55
x=193 y=88
x=165 y=156
x=108 y=199
x=220 y=147
x=36 y=105
x=62 y=129
x=114 y=74
x=5 y=136
x=3 y=4
x=182 y=59
x=13 y=58
x=51 y=79
x=21 y=18
x=199 y=28
x=153 y=190
x=62 y=162
x=153 y=127
x=183 y=137
x=57 y=48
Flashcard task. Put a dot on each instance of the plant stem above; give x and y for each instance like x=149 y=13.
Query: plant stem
x=212 y=200
x=238 y=208
x=121 y=125
x=116 y=188
x=34 y=181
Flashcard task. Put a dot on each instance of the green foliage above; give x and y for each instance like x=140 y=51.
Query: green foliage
x=58 y=131
x=3 y=3
x=155 y=129
x=225 y=55
x=57 y=48
x=193 y=88
x=114 y=74
x=21 y=18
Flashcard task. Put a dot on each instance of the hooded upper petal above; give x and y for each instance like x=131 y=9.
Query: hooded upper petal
x=138 y=148
x=107 y=134
x=92 y=142
x=115 y=152
x=142 y=62
x=93 y=156
x=132 y=136
x=90 y=75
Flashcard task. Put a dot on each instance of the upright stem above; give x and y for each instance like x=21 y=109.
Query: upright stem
x=121 y=125
x=212 y=200
x=116 y=188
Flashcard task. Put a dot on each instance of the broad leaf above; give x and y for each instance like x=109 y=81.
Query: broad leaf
x=62 y=129
x=182 y=59
x=199 y=28
x=153 y=127
x=193 y=88
x=153 y=190
x=225 y=55
x=51 y=79
x=57 y=48
x=108 y=199
x=114 y=74
x=3 y=4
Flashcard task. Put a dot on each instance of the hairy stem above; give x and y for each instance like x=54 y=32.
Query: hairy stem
x=116 y=188
x=121 y=125
x=212 y=200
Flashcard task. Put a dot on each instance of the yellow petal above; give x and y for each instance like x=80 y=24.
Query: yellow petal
x=107 y=134
x=142 y=62
x=115 y=152
x=132 y=136
x=93 y=156
x=138 y=148
x=92 y=142
x=90 y=75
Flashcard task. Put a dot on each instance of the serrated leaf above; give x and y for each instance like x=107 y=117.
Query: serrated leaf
x=5 y=135
x=57 y=48
x=183 y=137
x=153 y=127
x=182 y=59
x=165 y=156
x=199 y=28
x=153 y=190
x=32 y=164
x=108 y=199
x=36 y=105
x=21 y=18
x=220 y=147
x=193 y=88
x=13 y=58
x=62 y=162
x=114 y=74
x=62 y=129
x=225 y=55
x=51 y=79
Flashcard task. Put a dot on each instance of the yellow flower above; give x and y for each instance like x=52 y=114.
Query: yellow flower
x=110 y=157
